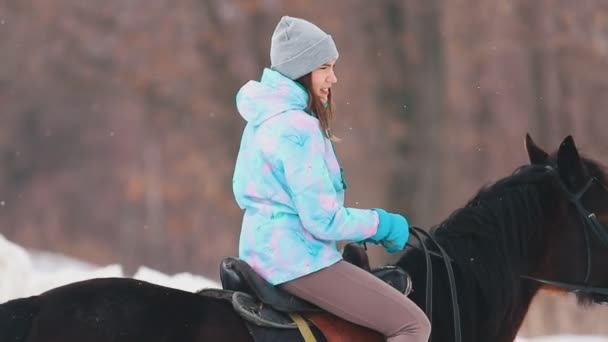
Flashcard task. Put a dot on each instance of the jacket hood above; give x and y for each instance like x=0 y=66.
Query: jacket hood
x=273 y=94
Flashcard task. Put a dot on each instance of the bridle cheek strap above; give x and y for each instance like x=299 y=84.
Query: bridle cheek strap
x=590 y=222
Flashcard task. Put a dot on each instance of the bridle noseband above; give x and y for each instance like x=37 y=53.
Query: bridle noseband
x=590 y=223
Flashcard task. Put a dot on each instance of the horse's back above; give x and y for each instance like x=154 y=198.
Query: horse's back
x=124 y=309
x=16 y=318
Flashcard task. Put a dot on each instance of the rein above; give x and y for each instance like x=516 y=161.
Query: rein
x=428 y=308
x=416 y=231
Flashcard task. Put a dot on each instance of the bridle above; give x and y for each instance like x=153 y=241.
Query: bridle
x=590 y=223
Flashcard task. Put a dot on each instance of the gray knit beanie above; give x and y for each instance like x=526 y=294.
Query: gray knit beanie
x=299 y=47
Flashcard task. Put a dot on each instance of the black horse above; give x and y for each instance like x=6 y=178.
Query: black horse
x=544 y=225
x=539 y=227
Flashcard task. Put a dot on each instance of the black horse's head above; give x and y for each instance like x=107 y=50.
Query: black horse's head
x=576 y=258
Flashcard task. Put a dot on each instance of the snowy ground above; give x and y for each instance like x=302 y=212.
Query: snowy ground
x=25 y=273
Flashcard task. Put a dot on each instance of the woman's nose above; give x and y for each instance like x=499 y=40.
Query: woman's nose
x=332 y=77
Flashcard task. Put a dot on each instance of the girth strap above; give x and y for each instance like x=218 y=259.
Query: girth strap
x=303 y=327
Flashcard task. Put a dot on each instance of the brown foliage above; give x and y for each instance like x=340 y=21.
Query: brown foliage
x=118 y=128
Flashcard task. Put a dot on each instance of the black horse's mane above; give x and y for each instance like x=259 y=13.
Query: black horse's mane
x=489 y=237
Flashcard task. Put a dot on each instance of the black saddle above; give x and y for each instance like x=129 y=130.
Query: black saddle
x=266 y=308
x=237 y=275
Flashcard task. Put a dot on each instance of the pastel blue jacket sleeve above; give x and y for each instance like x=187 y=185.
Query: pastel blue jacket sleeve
x=316 y=199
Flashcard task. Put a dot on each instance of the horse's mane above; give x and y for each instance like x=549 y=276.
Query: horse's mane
x=489 y=237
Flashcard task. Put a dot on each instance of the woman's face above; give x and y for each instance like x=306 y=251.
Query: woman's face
x=323 y=78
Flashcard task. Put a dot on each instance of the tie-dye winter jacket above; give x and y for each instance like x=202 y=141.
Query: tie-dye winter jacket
x=288 y=181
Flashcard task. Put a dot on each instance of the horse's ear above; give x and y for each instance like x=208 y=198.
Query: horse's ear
x=536 y=154
x=569 y=163
x=356 y=255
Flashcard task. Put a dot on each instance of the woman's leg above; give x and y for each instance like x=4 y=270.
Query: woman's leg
x=360 y=297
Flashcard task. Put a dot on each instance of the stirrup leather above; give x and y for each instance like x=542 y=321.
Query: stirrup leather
x=260 y=314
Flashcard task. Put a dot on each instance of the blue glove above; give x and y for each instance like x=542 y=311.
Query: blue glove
x=393 y=231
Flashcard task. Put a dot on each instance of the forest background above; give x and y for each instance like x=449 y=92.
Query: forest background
x=118 y=128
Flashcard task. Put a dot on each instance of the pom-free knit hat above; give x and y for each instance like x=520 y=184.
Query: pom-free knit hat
x=299 y=47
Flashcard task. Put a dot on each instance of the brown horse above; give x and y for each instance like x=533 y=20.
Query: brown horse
x=544 y=225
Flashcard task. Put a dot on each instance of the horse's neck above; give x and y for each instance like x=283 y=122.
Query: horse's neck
x=493 y=241
x=480 y=318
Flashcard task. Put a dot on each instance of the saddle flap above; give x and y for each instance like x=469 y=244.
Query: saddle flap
x=259 y=314
x=237 y=275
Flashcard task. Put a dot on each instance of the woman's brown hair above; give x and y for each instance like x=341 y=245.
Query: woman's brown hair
x=325 y=113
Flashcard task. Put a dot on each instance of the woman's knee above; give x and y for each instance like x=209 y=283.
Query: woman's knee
x=416 y=329
x=421 y=327
x=424 y=328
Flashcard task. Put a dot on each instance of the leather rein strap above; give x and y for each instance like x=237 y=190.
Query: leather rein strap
x=428 y=307
x=416 y=231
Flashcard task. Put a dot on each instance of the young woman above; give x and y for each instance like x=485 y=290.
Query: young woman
x=288 y=182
